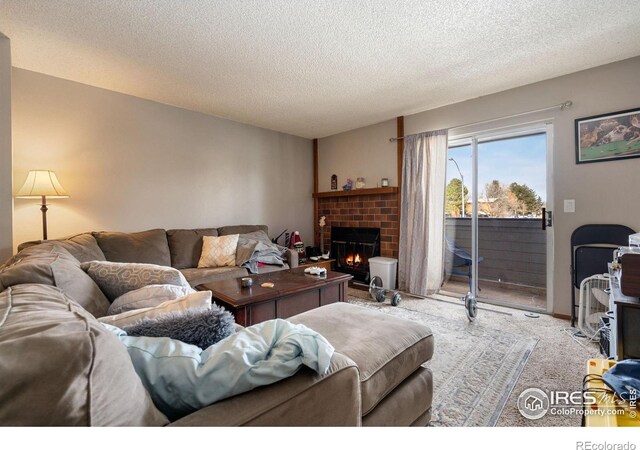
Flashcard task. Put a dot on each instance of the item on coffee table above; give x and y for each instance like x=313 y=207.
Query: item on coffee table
x=246 y=282
x=268 y=284
x=315 y=270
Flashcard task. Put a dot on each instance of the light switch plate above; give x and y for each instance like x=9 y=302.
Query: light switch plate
x=569 y=206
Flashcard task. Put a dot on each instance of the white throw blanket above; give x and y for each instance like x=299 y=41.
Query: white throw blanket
x=183 y=378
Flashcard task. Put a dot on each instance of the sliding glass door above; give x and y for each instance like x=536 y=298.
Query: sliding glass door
x=496 y=195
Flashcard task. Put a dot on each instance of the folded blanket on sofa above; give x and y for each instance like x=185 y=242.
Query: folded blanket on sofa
x=252 y=251
x=183 y=378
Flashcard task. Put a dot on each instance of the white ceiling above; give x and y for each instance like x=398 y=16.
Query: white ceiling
x=316 y=67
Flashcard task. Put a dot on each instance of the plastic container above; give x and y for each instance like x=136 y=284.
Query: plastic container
x=385 y=268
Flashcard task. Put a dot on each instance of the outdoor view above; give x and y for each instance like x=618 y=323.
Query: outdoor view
x=509 y=178
x=511 y=243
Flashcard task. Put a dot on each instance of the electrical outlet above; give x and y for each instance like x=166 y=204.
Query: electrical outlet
x=570 y=206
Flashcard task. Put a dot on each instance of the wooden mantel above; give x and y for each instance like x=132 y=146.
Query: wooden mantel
x=369 y=191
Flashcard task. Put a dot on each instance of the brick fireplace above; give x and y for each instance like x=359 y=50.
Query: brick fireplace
x=371 y=208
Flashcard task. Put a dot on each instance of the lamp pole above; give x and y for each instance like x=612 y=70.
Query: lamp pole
x=462 y=183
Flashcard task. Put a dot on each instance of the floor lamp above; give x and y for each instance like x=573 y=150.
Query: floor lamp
x=42 y=184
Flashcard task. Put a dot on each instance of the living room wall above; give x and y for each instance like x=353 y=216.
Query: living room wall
x=365 y=152
x=6 y=198
x=130 y=164
x=604 y=192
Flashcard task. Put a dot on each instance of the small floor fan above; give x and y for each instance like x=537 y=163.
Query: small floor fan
x=594 y=304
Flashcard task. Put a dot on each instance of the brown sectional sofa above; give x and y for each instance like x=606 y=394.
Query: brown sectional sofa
x=60 y=367
x=179 y=248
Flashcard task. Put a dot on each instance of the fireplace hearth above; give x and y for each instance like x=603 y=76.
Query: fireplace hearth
x=352 y=247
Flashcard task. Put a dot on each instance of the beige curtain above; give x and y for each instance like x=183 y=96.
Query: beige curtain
x=420 y=262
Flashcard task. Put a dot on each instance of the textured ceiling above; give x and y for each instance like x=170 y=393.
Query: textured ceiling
x=311 y=67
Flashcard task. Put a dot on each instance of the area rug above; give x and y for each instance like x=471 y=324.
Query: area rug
x=474 y=367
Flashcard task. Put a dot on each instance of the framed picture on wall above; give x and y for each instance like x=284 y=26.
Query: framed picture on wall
x=608 y=136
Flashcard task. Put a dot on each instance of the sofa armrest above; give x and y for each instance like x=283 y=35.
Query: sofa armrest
x=305 y=399
x=28 y=244
x=292 y=258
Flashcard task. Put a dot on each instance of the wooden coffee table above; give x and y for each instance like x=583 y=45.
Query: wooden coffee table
x=293 y=292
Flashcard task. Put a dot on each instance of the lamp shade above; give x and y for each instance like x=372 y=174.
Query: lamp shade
x=42 y=183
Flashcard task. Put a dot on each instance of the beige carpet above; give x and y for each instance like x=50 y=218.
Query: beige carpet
x=481 y=368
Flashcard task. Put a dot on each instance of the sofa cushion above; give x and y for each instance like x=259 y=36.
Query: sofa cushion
x=385 y=348
x=83 y=247
x=202 y=276
x=335 y=397
x=196 y=300
x=50 y=264
x=147 y=297
x=259 y=235
x=185 y=246
x=60 y=367
x=116 y=279
x=406 y=405
x=149 y=247
x=218 y=251
x=242 y=229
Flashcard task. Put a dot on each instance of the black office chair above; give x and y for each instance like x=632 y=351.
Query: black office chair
x=592 y=249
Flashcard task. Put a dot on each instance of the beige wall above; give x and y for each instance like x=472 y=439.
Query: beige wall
x=365 y=152
x=605 y=192
x=6 y=198
x=131 y=164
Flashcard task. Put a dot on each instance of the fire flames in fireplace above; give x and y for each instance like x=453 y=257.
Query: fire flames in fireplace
x=353 y=261
x=352 y=247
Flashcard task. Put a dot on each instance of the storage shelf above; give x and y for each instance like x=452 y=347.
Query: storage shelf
x=370 y=191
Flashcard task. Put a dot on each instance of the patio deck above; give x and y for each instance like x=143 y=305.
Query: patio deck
x=524 y=297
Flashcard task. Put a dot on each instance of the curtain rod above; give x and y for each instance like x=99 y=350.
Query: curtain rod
x=562 y=106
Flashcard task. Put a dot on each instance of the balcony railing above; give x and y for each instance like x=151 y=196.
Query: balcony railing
x=514 y=250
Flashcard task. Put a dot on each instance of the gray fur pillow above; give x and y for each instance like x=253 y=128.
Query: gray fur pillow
x=202 y=328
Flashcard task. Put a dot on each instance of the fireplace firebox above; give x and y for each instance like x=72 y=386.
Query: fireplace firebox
x=352 y=247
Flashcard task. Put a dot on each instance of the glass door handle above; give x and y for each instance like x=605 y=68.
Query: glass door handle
x=547 y=218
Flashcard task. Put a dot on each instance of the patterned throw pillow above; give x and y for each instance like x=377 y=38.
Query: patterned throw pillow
x=218 y=251
x=116 y=279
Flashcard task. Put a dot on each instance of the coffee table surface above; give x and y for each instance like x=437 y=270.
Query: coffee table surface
x=285 y=282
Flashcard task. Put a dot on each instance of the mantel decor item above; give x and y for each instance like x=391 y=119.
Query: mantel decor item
x=360 y=184
x=322 y=224
x=608 y=136
x=334 y=182
x=42 y=184
x=348 y=186
x=385 y=182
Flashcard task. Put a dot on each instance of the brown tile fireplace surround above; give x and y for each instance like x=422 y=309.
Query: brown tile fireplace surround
x=373 y=208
